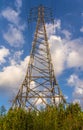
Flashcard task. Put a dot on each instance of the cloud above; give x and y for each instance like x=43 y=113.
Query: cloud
x=15 y=27
x=67 y=34
x=52 y=28
x=75 y=59
x=77 y=83
x=16 y=58
x=18 y=4
x=73 y=80
x=57 y=52
x=12 y=76
x=66 y=52
x=4 y=52
x=75 y=53
x=14 y=36
x=82 y=14
x=66 y=55
x=11 y=15
x=81 y=29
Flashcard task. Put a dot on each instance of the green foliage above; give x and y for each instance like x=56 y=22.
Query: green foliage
x=51 y=118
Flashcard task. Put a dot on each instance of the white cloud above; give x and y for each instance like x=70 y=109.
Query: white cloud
x=12 y=76
x=18 y=4
x=14 y=36
x=67 y=34
x=73 y=80
x=4 y=52
x=66 y=53
x=52 y=28
x=11 y=15
x=75 y=58
x=15 y=58
x=81 y=14
x=77 y=83
x=58 y=54
x=81 y=29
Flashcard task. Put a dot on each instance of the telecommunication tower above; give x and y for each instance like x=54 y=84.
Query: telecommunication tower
x=39 y=88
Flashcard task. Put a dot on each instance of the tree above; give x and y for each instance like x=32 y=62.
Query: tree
x=51 y=118
x=2 y=110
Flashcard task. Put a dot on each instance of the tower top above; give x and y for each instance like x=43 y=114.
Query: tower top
x=42 y=10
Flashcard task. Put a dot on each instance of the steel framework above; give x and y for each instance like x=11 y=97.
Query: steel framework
x=39 y=88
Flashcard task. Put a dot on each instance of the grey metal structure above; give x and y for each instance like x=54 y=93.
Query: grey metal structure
x=39 y=88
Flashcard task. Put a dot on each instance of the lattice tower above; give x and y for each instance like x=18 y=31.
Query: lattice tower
x=39 y=88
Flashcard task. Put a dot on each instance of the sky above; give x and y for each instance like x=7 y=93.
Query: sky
x=65 y=39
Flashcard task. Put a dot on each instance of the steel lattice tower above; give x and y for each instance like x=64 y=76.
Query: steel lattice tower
x=39 y=88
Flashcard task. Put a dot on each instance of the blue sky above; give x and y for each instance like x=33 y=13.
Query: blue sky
x=65 y=39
